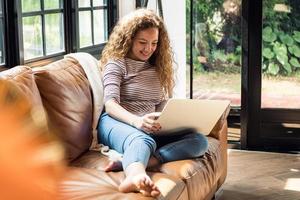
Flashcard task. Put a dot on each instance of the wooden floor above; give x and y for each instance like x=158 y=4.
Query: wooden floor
x=261 y=176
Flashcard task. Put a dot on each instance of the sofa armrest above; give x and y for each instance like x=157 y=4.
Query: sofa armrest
x=217 y=130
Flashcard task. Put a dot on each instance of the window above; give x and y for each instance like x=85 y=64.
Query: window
x=2 y=55
x=42 y=31
x=216 y=50
x=92 y=22
x=42 y=28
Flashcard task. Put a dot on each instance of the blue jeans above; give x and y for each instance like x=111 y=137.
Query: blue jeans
x=138 y=146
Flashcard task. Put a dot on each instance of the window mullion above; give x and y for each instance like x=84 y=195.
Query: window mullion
x=43 y=27
x=12 y=28
x=70 y=26
x=92 y=23
x=77 y=32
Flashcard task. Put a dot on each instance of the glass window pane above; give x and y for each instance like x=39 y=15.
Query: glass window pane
x=32 y=37
x=54 y=33
x=51 y=4
x=281 y=54
x=99 y=2
x=216 y=50
x=31 y=5
x=85 y=29
x=100 y=26
x=84 y=3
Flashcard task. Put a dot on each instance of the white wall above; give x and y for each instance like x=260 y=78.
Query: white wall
x=174 y=17
x=126 y=6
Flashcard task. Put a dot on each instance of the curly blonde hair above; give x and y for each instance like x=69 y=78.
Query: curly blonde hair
x=121 y=40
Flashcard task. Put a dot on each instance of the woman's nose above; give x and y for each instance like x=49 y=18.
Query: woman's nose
x=147 y=47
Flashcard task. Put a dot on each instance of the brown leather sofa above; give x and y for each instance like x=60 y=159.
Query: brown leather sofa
x=63 y=91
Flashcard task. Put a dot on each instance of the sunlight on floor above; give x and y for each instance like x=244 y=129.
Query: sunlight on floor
x=228 y=151
x=293 y=184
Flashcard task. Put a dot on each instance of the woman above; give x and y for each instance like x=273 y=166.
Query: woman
x=138 y=79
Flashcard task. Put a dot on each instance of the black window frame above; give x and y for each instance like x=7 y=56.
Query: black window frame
x=2 y=45
x=90 y=8
x=13 y=33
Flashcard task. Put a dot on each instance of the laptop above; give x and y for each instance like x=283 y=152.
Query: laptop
x=181 y=115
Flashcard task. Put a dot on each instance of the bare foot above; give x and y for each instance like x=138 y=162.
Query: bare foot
x=113 y=166
x=139 y=183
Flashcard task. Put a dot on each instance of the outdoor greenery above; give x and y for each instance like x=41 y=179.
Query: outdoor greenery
x=53 y=25
x=281 y=38
x=217 y=36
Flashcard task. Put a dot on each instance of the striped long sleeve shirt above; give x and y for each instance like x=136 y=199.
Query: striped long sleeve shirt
x=133 y=84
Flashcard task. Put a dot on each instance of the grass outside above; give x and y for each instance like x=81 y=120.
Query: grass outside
x=281 y=92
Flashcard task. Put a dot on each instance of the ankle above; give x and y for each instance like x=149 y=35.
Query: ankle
x=135 y=169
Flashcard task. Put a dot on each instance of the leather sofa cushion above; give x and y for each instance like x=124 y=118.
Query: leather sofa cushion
x=91 y=184
x=66 y=96
x=30 y=159
x=22 y=77
x=171 y=187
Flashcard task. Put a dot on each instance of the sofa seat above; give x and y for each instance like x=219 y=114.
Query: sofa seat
x=200 y=175
x=95 y=161
x=92 y=184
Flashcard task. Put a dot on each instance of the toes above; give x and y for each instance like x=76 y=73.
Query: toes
x=145 y=193
x=147 y=181
x=155 y=193
x=142 y=183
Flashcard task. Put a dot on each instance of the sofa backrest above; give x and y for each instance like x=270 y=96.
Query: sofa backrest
x=30 y=156
x=66 y=96
x=22 y=77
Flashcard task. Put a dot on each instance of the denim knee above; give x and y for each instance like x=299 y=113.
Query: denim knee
x=145 y=139
x=138 y=149
x=200 y=144
x=189 y=146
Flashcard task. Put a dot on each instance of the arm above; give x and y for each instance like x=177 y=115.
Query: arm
x=115 y=110
x=112 y=78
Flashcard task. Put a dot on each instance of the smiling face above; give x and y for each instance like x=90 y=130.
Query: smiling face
x=144 y=44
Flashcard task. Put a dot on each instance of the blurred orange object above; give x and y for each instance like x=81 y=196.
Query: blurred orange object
x=31 y=161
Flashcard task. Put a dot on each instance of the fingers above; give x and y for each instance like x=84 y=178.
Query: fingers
x=154 y=115
x=151 y=118
x=149 y=123
x=150 y=126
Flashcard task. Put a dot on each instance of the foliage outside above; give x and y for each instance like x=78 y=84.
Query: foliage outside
x=217 y=36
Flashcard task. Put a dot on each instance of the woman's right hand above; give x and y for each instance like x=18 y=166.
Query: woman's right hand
x=147 y=123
